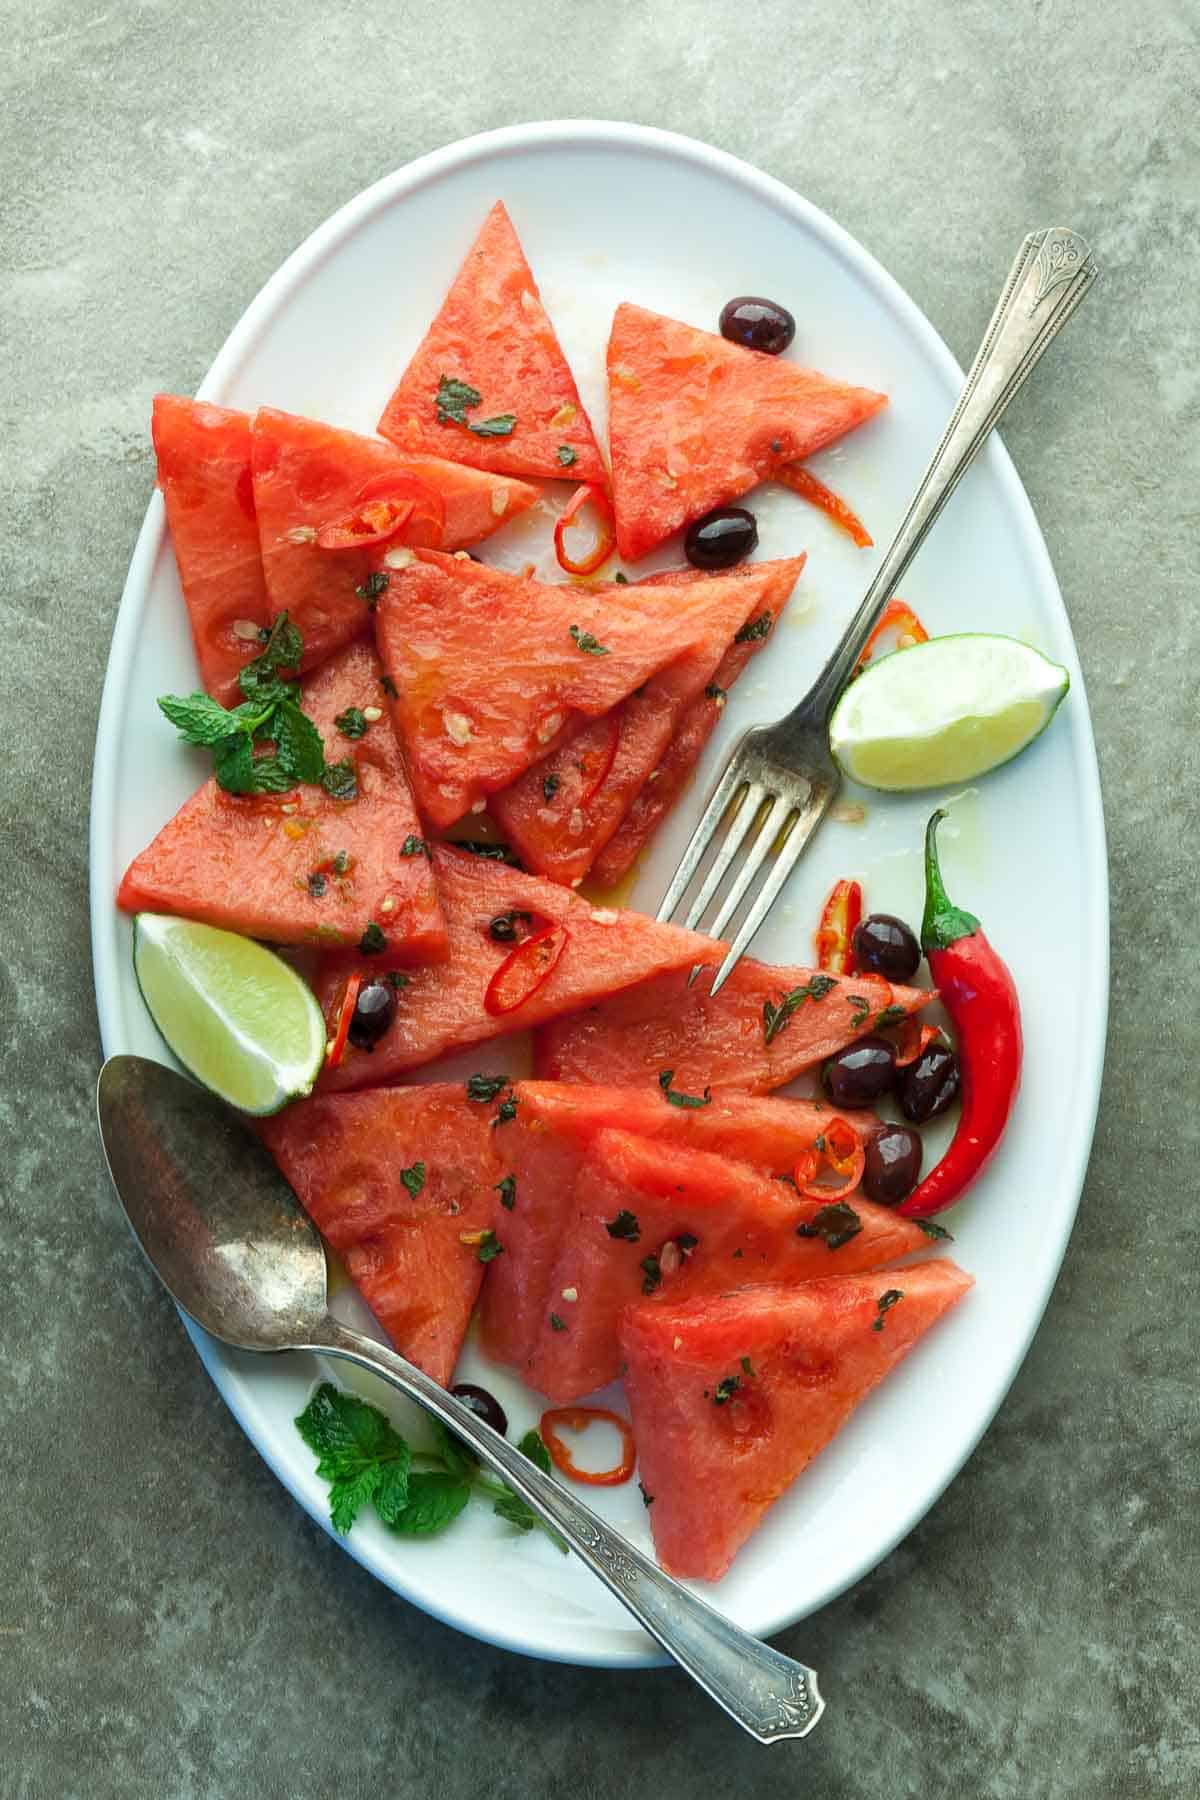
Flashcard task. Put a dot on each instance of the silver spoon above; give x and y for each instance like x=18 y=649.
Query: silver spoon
x=227 y=1238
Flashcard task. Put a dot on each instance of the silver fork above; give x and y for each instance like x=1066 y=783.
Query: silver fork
x=782 y=777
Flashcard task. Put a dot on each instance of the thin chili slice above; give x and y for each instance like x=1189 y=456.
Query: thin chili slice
x=385 y=506
x=911 y=1039
x=522 y=973
x=803 y=482
x=606 y=540
x=597 y=761
x=840 y=1151
x=337 y=1049
x=840 y=915
x=897 y=614
x=578 y=1418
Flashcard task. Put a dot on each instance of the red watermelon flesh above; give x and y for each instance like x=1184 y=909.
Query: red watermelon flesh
x=556 y=816
x=695 y=421
x=665 y=1024
x=442 y=1008
x=745 y=1227
x=308 y=474
x=814 y=1352
x=347 y=1156
x=490 y=668
x=204 y=472
x=546 y=1150
x=655 y=799
x=493 y=334
x=264 y=864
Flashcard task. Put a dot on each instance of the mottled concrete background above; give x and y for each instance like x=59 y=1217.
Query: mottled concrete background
x=170 y=1623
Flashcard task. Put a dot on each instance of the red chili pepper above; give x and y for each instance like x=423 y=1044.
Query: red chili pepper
x=606 y=540
x=578 y=1418
x=840 y=915
x=385 y=506
x=337 y=1048
x=522 y=973
x=838 y=1149
x=597 y=760
x=897 y=613
x=978 y=992
x=911 y=1039
x=803 y=482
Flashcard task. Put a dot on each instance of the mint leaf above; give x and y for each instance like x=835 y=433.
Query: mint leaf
x=413 y=1178
x=755 y=629
x=452 y=400
x=486 y=1087
x=507 y=1190
x=624 y=1226
x=836 y=1224
x=354 y=1444
x=501 y=426
x=533 y=1446
x=391 y=1495
x=414 y=846
x=566 y=455
x=372 y=941
x=932 y=1229
x=884 y=1305
x=489 y=1247
x=510 y=1506
x=776 y=1017
x=353 y=723
x=689 y=1101
x=348 y=1494
x=587 y=643
x=434 y=1501
x=198 y=718
x=298 y=745
x=233 y=764
x=340 y=779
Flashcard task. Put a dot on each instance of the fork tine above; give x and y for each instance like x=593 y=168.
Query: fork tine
x=800 y=831
x=726 y=788
x=753 y=861
x=748 y=810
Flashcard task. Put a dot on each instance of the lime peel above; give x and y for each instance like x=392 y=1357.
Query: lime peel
x=235 y=1015
x=944 y=711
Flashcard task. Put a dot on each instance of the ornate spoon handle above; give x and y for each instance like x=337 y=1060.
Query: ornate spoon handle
x=768 y=1694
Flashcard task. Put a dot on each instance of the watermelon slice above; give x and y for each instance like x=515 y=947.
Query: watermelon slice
x=546 y=1151
x=661 y=1219
x=695 y=421
x=444 y=1008
x=732 y=1395
x=303 y=867
x=204 y=472
x=665 y=1024
x=563 y=811
x=395 y=1180
x=491 y=669
x=655 y=799
x=492 y=334
x=308 y=474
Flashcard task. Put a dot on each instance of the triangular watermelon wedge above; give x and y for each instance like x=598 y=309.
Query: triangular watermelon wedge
x=396 y=1180
x=695 y=421
x=735 y=1222
x=302 y=867
x=203 y=457
x=493 y=336
x=548 y=1148
x=721 y=1042
x=440 y=1009
x=561 y=813
x=307 y=475
x=655 y=799
x=490 y=669
x=732 y=1395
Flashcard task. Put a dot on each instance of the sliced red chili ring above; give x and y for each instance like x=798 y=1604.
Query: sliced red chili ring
x=578 y=1418
x=385 y=506
x=803 y=482
x=337 y=1049
x=897 y=615
x=839 y=1150
x=522 y=973
x=911 y=1039
x=840 y=915
x=606 y=539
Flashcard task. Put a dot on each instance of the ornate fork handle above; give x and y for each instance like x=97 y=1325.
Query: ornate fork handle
x=1053 y=271
x=768 y=1694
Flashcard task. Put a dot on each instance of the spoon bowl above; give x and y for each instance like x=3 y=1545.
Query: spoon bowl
x=229 y=1241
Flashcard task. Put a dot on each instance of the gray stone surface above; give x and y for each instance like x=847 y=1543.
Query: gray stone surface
x=170 y=1624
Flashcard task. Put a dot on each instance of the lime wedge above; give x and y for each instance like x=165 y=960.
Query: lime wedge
x=237 y=1017
x=944 y=711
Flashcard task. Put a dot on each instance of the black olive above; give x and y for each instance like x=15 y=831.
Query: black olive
x=861 y=1072
x=884 y=945
x=929 y=1085
x=757 y=324
x=504 y=928
x=893 y=1163
x=485 y=1406
x=721 y=538
x=374 y=1011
